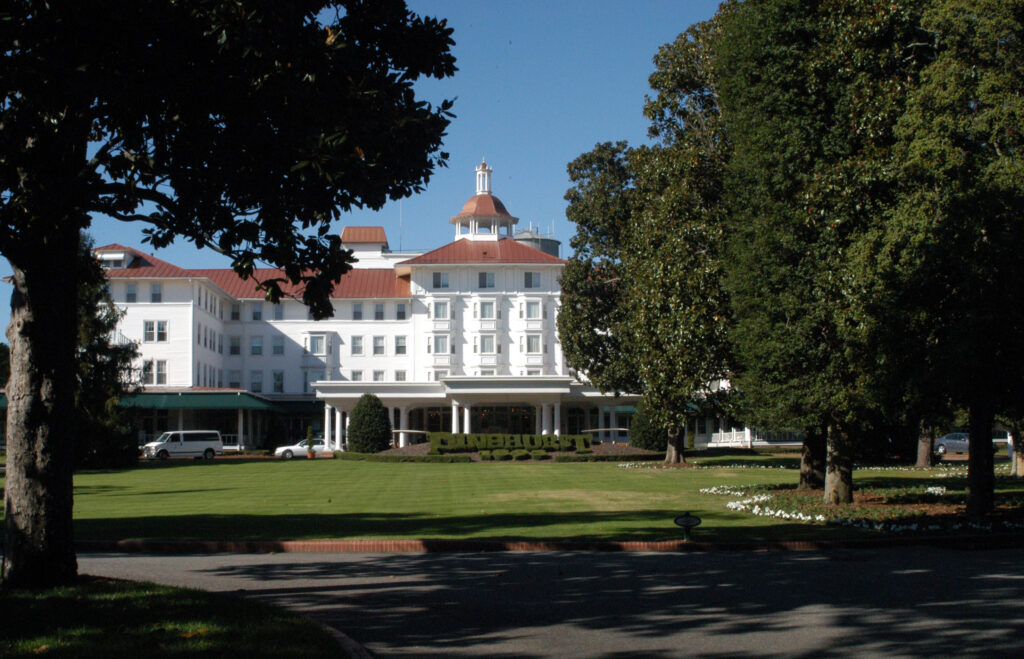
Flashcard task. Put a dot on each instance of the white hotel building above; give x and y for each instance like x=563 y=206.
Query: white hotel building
x=461 y=338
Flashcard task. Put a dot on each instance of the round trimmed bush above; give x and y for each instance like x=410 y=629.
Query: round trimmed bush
x=539 y=454
x=486 y=455
x=501 y=454
x=369 y=429
x=520 y=454
x=644 y=434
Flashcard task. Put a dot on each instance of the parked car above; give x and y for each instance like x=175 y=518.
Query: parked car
x=959 y=442
x=288 y=452
x=185 y=444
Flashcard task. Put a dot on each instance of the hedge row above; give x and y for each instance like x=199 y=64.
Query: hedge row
x=625 y=457
x=443 y=442
x=377 y=457
x=515 y=454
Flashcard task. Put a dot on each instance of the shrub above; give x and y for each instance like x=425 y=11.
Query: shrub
x=539 y=454
x=628 y=457
x=376 y=457
x=520 y=454
x=501 y=454
x=486 y=455
x=369 y=429
x=644 y=434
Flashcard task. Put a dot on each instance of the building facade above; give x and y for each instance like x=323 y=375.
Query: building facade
x=462 y=338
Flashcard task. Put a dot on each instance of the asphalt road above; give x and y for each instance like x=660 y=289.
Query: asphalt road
x=913 y=601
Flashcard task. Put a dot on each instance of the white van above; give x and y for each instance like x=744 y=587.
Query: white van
x=185 y=444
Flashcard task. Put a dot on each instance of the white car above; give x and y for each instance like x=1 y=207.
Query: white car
x=289 y=452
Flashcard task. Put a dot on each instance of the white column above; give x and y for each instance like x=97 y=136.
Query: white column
x=337 y=429
x=344 y=434
x=612 y=422
x=600 y=422
x=181 y=419
x=403 y=422
x=248 y=424
x=558 y=417
x=241 y=429
x=455 y=417
x=328 y=416
x=547 y=419
x=465 y=417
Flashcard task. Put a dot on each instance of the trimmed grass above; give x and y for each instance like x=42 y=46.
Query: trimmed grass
x=338 y=499
x=103 y=618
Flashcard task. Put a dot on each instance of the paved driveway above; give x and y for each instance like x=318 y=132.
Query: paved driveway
x=909 y=601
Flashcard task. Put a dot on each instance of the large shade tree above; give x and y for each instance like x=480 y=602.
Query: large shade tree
x=244 y=126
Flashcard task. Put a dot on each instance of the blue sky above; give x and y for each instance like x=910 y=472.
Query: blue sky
x=539 y=83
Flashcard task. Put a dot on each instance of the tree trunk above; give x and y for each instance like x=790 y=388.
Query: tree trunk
x=925 y=446
x=38 y=543
x=676 y=451
x=980 y=462
x=1017 y=459
x=838 y=466
x=812 y=460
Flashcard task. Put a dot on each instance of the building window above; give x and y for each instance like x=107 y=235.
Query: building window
x=220 y=343
x=378 y=376
x=156 y=293
x=277 y=345
x=400 y=311
x=441 y=310
x=487 y=343
x=129 y=293
x=278 y=382
x=532 y=373
x=531 y=280
x=357 y=311
x=378 y=345
x=399 y=345
x=154 y=331
x=357 y=376
x=378 y=312
x=311 y=376
x=255 y=345
x=486 y=279
x=256 y=381
x=487 y=373
x=257 y=311
x=235 y=345
x=317 y=344
x=487 y=310
x=278 y=311
x=235 y=379
x=236 y=311
x=533 y=310
x=357 y=345
x=154 y=372
x=441 y=344
x=399 y=376
x=439 y=375
x=440 y=280
x=533 y=343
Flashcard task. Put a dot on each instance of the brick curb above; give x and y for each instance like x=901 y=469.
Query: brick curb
x=972 y=541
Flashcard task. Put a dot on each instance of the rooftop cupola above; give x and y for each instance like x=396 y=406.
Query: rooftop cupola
x=483 y=217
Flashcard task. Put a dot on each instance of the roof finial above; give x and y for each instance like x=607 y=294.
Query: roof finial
x=483 y=178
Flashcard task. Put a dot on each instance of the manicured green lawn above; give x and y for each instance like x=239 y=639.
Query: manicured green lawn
x=300 y=499
x=103 y=618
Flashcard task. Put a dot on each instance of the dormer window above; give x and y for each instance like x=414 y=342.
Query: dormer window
x=113 y=260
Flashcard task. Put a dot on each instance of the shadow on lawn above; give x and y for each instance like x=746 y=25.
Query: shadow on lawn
x=710 y=604
x=628 y=525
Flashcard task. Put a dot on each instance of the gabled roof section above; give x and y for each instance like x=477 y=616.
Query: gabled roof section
x=141 y=266
x=356 y=235
x=505 y=250
x=357 y=284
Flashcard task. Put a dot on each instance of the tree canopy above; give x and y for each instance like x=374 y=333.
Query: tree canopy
x=244 y=126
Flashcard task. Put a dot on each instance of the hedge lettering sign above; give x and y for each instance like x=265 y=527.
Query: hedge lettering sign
x=443 y=442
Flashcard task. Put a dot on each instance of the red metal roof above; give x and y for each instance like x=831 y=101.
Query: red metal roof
x=483 y=204
x=352 y=235
x=504 y=250
x=361 y=283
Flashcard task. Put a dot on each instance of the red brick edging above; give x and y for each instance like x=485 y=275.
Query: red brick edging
x=966 y=541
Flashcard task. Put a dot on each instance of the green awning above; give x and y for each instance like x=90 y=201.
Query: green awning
x=197 y=401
